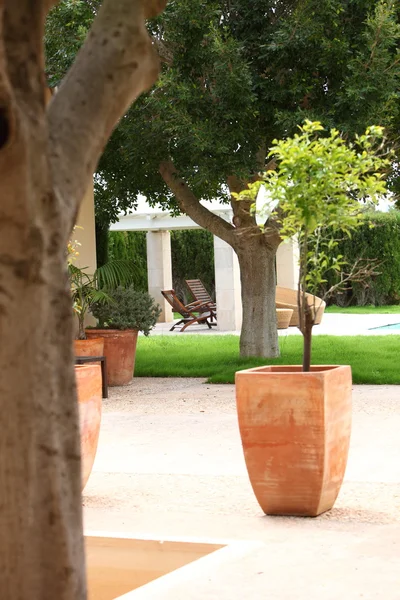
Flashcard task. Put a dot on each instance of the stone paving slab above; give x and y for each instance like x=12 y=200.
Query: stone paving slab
x=332 y=324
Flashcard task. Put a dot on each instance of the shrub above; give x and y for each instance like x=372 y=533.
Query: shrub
x=192 y=255
x=192 y=258
x=377 y=238
x=129 y=309
x=130 y=245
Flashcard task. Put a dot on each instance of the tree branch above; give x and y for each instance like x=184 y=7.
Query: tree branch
x=360 y=272
x=164 y=52
x=242 y=217
x=115 y=65
x=189 y=204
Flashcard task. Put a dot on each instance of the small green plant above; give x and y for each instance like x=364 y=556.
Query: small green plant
x=128 y=309
x=89 y=290
x=85 y=294
x=314 y=195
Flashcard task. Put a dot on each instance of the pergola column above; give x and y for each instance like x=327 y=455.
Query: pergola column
x=85 y=234
x=287 y=265
x=227 y=287
x=159 y=269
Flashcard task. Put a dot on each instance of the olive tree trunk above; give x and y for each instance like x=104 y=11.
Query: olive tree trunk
x=259 y=335
x=47 y=157
x=256 y=251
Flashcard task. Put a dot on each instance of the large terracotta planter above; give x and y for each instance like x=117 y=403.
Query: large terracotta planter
x=295 y=430
x=88 y=382
x=120 y=351
x=89 y=347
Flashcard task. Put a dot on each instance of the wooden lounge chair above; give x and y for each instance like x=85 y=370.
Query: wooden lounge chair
x=200 y=293
x=287 y=298
x=197 y=312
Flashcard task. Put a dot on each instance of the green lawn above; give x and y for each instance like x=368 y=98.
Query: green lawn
x=365 y=310
x=355 y=310
x=374 y=359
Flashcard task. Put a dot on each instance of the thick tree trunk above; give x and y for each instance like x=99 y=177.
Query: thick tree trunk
x=259 y=335
x=46 y=161
x=41 y=549
x=256 y=252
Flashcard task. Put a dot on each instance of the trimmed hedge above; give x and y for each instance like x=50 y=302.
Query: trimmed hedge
x=378 y=238
x=192 y=257
x=130 y=245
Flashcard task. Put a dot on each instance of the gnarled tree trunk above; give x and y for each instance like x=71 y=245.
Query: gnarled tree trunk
x=259 y=336
x=256 y=251
x=46 y=160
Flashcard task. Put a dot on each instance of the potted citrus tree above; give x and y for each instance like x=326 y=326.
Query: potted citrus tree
x=295 y=421
x=119 y=322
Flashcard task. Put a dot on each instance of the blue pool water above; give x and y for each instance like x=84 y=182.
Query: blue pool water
x=387 y=327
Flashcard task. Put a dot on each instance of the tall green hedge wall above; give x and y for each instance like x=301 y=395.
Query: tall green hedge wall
x=192 y=257
x=377 y=238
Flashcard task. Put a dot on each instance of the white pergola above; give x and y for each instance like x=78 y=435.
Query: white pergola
x=158 y=223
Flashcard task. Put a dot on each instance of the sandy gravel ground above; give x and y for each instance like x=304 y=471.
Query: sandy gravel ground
x=170 y=463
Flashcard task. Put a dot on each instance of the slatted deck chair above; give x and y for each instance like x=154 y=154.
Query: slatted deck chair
x=188 y=313
x=200 y=293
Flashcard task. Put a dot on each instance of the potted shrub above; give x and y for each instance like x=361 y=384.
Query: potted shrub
x=295 y=421
x=84 y=295
x=119 y=322
x=88 y=290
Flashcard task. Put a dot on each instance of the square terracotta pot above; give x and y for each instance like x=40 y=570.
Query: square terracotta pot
x=295 y=429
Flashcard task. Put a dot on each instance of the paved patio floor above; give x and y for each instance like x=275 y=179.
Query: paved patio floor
x=332 y=324
x=170 y=464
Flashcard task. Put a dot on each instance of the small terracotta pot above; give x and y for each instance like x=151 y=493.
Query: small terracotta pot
x=92 y=347
x=295 y=430
x=120 y=352
x=88 y=382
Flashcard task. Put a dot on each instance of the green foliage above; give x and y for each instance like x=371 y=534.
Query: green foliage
x=130 y=246
x=315 y=192
x=89 y=290
x=129 y=309
x=192 y=258
x=115 y=273
x=235 y=76
x=377 y=237
x=66 y=30
x=390 y=309
x=85 y=294
x=320 y=181
x=373 y=359
x=319 y=184
x=318 y=187
x=192 y=254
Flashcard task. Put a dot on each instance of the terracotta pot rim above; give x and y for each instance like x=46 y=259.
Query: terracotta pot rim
x=291 y=370
x=111 y=330
x=87 y=339
x=91 y=366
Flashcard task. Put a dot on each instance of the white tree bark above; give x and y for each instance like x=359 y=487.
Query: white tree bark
x=46 y=161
